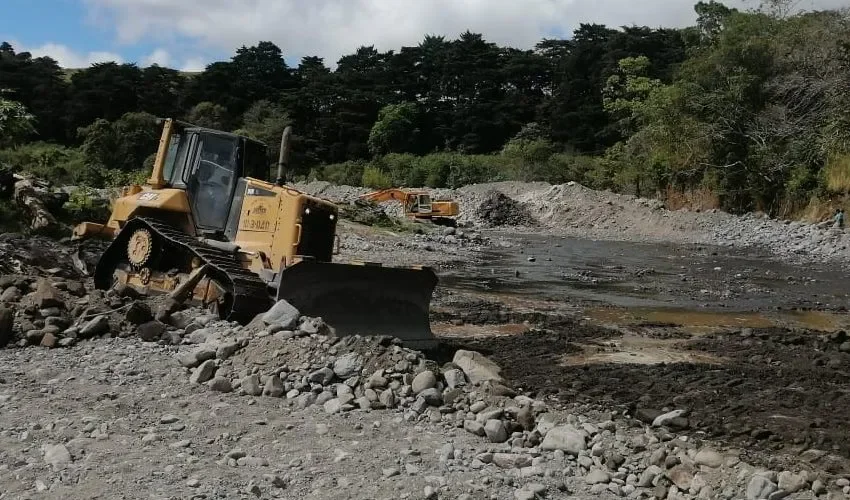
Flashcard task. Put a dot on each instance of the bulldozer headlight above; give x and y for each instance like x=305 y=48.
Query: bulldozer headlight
x=332 y=217
x=307 y=211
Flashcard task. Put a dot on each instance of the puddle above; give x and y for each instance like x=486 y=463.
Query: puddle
x=469 y=331
x=638 y=351
x=812 y=320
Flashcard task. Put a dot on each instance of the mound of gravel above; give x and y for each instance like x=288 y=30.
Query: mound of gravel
x=498 y=209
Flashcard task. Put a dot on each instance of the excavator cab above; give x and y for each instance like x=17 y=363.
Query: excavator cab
x=419 y=203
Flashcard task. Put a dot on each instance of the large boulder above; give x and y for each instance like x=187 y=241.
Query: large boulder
x=283 y=315
x=477 y=368
x=565 y=438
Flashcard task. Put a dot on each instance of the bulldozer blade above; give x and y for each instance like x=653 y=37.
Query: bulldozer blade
x=364 y=299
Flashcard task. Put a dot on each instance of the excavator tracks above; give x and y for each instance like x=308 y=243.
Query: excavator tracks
x=248 y=295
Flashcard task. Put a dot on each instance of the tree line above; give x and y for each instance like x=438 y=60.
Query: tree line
x=743 y=110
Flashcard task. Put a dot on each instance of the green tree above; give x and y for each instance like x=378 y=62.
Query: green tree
x=122 y=145
x=210 y=115
x=396 y=130
x=16 y=123
x=265 y=122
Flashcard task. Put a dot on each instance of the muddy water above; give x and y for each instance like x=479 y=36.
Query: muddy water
x=639 y=283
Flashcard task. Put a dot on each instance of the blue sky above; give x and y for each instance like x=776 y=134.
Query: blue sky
x=188 y=34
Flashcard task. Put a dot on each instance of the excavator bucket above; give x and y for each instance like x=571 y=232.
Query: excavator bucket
x=364 y=299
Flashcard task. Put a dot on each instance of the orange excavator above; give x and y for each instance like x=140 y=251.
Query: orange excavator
x=418 y=205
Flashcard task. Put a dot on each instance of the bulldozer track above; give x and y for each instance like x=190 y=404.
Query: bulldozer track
x=249 y=294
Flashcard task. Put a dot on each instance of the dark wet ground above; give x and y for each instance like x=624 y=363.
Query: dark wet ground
x=747 y=345
x=650 y=276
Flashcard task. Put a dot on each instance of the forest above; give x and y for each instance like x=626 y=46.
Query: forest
x=745 y=110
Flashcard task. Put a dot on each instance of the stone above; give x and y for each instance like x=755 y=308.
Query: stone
x=220 y=384
x=251 y=385
x=305 y=400
x=348 y=365
x=98 y=325
x=818 y=488
x=204 y=372
x=46 y=295
x=682 y=476
x=151 y=331
x=7 y=321
x=227 y=349
x=274 y=387
x=377 y=380
x=565 y=438
x=454 y=378
x=477 y=368
x=387 y=398
x=792 y=483
x=168 y=419
x=511 y=460
x=525 y=418
x=667 y=419
x=760 y=488
x=49 y=340
x=648 y=476
x=195 y=357
x=474 y=427
x=495 y=431
x=423 y=381
x=57 y=456
x=708 y=457
x=282 y=314
x=333 y=406
x=11 y=294
x=597 y=476
x=322 y=376
x=138 y=313
x=432 y=397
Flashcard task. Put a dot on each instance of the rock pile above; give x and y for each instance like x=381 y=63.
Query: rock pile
x=498 y=209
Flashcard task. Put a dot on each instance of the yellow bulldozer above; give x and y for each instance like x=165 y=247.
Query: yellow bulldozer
x=418 y=205
x=210 y=223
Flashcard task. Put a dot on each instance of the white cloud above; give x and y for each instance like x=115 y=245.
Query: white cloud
x=67 y=57
x=194 y=64
x=158 y=56
x=331 y=28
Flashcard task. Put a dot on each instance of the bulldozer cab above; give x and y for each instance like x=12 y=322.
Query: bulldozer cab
x=207 y=164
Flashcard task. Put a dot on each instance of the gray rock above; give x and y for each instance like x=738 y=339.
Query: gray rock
x=324 y=397
x=477 y=368
x=760 y=488
x=11 y=294
x=333 y=406
x=195 y=357
x=348 y=365
x=138 y=313
x=220 y=384
x=791 y=482
x=377 y=380
x=511 y=460
x=648 y=476
x=477 y=406
x=151 y=331
x=474 y=427
x=227 y=349
x=204 y=372
x=98 y=325
x=495 y=431
x=818 y=488
x=668 y=419
x=322 y=376
x=432 y=396
x=709 y=457
x=274 y=387
x=57 y=456
x=387 y=398
x=282 y=314
x=565 y=438
x=46 y=295
x=251 y=385
x=682 y=476
x=597 y=476
x=305 y=400
x=181 y=319
x=454 y=378
x=423 y=381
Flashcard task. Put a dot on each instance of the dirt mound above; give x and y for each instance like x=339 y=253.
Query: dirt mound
x=500 y=210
